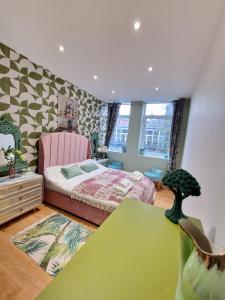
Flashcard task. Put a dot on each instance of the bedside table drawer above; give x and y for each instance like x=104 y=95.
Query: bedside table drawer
x=19 y=195
x=20 y=198
x=19 y=187
x=12 y=213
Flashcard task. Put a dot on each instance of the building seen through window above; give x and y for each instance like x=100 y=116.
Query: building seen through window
x=155 y=131
x=119 y=138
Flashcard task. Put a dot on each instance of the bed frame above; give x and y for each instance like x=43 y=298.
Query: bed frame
x=62 y=148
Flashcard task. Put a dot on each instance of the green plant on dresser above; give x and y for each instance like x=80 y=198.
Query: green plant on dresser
x=10 y=133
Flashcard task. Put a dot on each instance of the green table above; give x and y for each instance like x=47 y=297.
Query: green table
x=134 y=255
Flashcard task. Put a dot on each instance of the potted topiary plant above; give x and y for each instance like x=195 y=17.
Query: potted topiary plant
x=12 y=155
x=182 y=184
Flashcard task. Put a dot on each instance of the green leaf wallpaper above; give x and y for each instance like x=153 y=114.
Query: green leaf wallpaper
x=28 y=97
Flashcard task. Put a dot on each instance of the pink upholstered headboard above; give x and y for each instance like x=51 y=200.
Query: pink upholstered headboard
x=62 y=148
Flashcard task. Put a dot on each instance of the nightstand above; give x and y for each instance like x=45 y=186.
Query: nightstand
x=19 y=195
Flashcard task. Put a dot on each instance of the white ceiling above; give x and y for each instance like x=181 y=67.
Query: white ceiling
x=98 y=37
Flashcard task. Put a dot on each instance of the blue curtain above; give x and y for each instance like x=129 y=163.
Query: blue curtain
x=178 y=109
x=113 y=111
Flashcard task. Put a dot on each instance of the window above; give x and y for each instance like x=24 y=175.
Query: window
x=118 y=141
x=156 y=127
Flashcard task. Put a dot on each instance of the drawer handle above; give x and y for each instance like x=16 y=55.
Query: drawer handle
x=20 y=187
x=21 y=209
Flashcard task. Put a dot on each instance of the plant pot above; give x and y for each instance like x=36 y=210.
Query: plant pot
x=12 y=172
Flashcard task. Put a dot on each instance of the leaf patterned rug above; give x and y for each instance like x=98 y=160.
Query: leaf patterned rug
x=52 y=242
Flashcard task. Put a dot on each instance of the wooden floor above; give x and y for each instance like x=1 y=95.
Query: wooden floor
x=20 y=277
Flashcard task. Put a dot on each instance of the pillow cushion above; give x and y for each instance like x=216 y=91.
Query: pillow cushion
x=72 y=171
x=89 y=167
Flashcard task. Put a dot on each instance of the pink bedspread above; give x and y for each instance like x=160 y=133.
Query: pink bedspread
x=102 y=187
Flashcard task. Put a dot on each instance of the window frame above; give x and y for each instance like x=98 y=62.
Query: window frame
x=143 y=127
x=115 y=129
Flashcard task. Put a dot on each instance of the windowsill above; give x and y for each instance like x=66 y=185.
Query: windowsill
x=157 y=157
x=114 y=151
x=145 y=156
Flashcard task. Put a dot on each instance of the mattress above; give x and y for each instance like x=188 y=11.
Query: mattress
x=55 y=181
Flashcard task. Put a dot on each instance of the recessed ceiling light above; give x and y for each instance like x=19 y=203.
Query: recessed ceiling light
x=157 y=88
x=95 y=77
x=150 y=69
x=113 y=92
x=61 y=48
x=137 y=25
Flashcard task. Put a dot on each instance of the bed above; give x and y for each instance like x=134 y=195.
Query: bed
x=91 y=196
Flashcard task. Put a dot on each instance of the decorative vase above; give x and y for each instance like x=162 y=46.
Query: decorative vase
x=70 y=125
x=12 y=172
x=203 y=276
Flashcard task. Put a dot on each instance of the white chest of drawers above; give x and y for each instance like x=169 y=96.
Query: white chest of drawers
x=19 y=195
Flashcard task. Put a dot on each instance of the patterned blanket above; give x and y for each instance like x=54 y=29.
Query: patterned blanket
x=100 y=190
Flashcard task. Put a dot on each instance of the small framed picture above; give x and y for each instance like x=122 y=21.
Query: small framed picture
x=67 y=113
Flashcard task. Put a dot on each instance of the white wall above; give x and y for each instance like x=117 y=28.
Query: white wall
x=204 y=152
